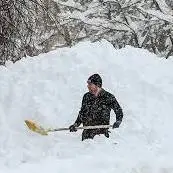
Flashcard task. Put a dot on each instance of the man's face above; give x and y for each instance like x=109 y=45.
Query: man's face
x=92 y=88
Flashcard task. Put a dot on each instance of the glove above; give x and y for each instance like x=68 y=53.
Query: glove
x=116 y=124
x=73 y=128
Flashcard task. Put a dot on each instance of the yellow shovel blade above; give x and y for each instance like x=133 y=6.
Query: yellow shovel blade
x=36 y=128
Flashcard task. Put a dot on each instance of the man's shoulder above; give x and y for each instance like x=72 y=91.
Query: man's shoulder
x=87 y=94
x=107 y=94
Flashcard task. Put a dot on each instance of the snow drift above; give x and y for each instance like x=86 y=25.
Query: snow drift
x=48 y=89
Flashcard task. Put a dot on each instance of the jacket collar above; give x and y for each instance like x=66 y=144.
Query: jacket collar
x=100 y=94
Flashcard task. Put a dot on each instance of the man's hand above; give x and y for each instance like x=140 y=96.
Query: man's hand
x=116 y=124
x=72 y=128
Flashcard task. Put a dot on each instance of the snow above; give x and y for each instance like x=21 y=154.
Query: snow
x=48 y=89
x=164 y=7
x=166 y=17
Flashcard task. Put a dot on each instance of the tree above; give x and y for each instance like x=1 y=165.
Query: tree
x=29 y=27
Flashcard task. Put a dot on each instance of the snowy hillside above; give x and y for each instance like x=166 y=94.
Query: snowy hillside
x=48 y=89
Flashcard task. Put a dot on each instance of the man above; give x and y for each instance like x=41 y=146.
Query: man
x=96 y=108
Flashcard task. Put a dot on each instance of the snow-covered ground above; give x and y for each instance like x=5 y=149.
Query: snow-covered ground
x=48 y=89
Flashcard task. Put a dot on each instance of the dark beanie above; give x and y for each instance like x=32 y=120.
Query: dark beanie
x=96 y=80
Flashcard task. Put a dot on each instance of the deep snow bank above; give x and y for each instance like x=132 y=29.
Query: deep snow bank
x=49 y=89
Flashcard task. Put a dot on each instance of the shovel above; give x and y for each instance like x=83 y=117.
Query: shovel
x=39 y=129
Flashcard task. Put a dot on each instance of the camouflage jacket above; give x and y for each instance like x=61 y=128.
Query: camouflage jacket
x=96 y=110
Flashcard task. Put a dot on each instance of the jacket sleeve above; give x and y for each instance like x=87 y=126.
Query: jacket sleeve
x=117 y=109
x=81 y=112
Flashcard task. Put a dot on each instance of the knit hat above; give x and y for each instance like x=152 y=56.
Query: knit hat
x=95 y=79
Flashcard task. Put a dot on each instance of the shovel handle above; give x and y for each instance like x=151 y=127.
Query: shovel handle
x=84 y=127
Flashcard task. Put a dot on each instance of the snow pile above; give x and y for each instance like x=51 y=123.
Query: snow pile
x=48 y=89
